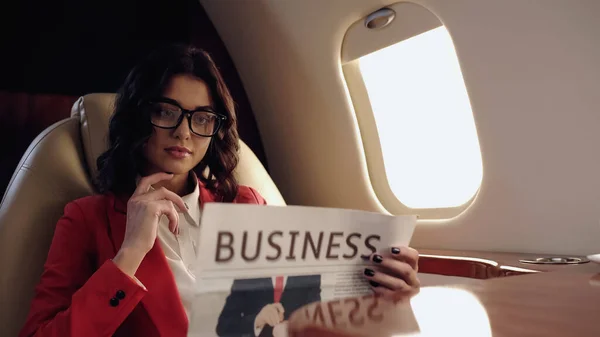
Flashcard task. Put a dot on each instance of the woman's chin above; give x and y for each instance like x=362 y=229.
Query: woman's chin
x=176 y=169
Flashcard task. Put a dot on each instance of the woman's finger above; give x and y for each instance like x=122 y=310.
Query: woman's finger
x=166 y=207
x=163 y=193
x=145 y=183
x=378 y=276
x=406 y=254
x=175 y=229
x=381 y=290
x=397 y=268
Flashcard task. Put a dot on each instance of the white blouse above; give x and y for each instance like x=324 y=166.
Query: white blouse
x=181 y=250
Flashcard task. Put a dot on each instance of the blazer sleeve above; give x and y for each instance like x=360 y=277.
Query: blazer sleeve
x=72 y=297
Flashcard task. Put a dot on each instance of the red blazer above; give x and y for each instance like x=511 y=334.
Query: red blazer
x=77 y=293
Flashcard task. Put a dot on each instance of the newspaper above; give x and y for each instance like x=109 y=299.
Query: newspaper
x=258 y=264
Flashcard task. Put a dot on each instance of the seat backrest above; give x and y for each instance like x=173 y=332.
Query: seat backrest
x=57 y=168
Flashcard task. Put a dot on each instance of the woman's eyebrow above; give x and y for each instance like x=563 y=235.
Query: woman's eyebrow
x=203 y=107
x=166 y=99
x=200 y=107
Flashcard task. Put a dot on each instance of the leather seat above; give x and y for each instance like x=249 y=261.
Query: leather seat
x=57 y=168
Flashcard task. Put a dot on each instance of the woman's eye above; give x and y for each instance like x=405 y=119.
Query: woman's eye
x=167 y=113
x=201 y=120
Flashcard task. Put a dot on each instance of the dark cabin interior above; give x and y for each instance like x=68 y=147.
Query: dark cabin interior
x=55 y=52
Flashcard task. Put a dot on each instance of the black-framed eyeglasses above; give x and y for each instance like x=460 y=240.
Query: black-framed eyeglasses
x=166 y=113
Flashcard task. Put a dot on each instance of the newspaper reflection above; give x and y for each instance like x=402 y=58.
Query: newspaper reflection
x=428 y=312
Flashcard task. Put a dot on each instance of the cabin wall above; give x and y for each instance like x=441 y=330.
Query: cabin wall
x=531 y=70
x=54 y=52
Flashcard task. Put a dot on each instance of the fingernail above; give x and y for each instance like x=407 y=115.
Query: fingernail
x=365 y=257
x=377 y=258
x=369 y=272
x=395 y=250
x=374 y=284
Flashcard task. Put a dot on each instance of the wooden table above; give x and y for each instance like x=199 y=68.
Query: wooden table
x=486 y=265
x=543 y=301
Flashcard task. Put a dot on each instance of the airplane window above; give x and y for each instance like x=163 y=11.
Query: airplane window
x=424 y=120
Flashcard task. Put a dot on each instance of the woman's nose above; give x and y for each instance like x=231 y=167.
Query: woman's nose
x=183 y=130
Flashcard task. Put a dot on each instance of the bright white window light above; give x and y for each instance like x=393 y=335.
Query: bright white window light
x=424 y=120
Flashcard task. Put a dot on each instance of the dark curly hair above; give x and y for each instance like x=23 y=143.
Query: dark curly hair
x=130 y=126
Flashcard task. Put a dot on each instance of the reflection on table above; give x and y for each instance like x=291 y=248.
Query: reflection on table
x=429 y=312
x=541 y=304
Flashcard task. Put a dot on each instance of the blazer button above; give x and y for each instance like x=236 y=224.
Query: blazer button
x=114 y=302
x=120 y=294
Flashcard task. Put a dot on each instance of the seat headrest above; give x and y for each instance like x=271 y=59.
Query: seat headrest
x=93 y=112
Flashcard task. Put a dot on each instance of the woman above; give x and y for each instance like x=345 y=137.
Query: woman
x=104 y=275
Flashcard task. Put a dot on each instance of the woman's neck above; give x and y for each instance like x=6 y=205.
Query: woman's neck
x=180 y=184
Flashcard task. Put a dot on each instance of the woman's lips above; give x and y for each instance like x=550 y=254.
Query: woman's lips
x=178 y=152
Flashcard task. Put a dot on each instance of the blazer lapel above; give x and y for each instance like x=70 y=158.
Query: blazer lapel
x=205 y=195
x=162 y=302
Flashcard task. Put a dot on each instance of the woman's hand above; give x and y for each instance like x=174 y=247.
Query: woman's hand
x=394 y=271
x=144 y=210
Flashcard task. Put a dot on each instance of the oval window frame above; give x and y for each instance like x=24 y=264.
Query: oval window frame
x=411 y=20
